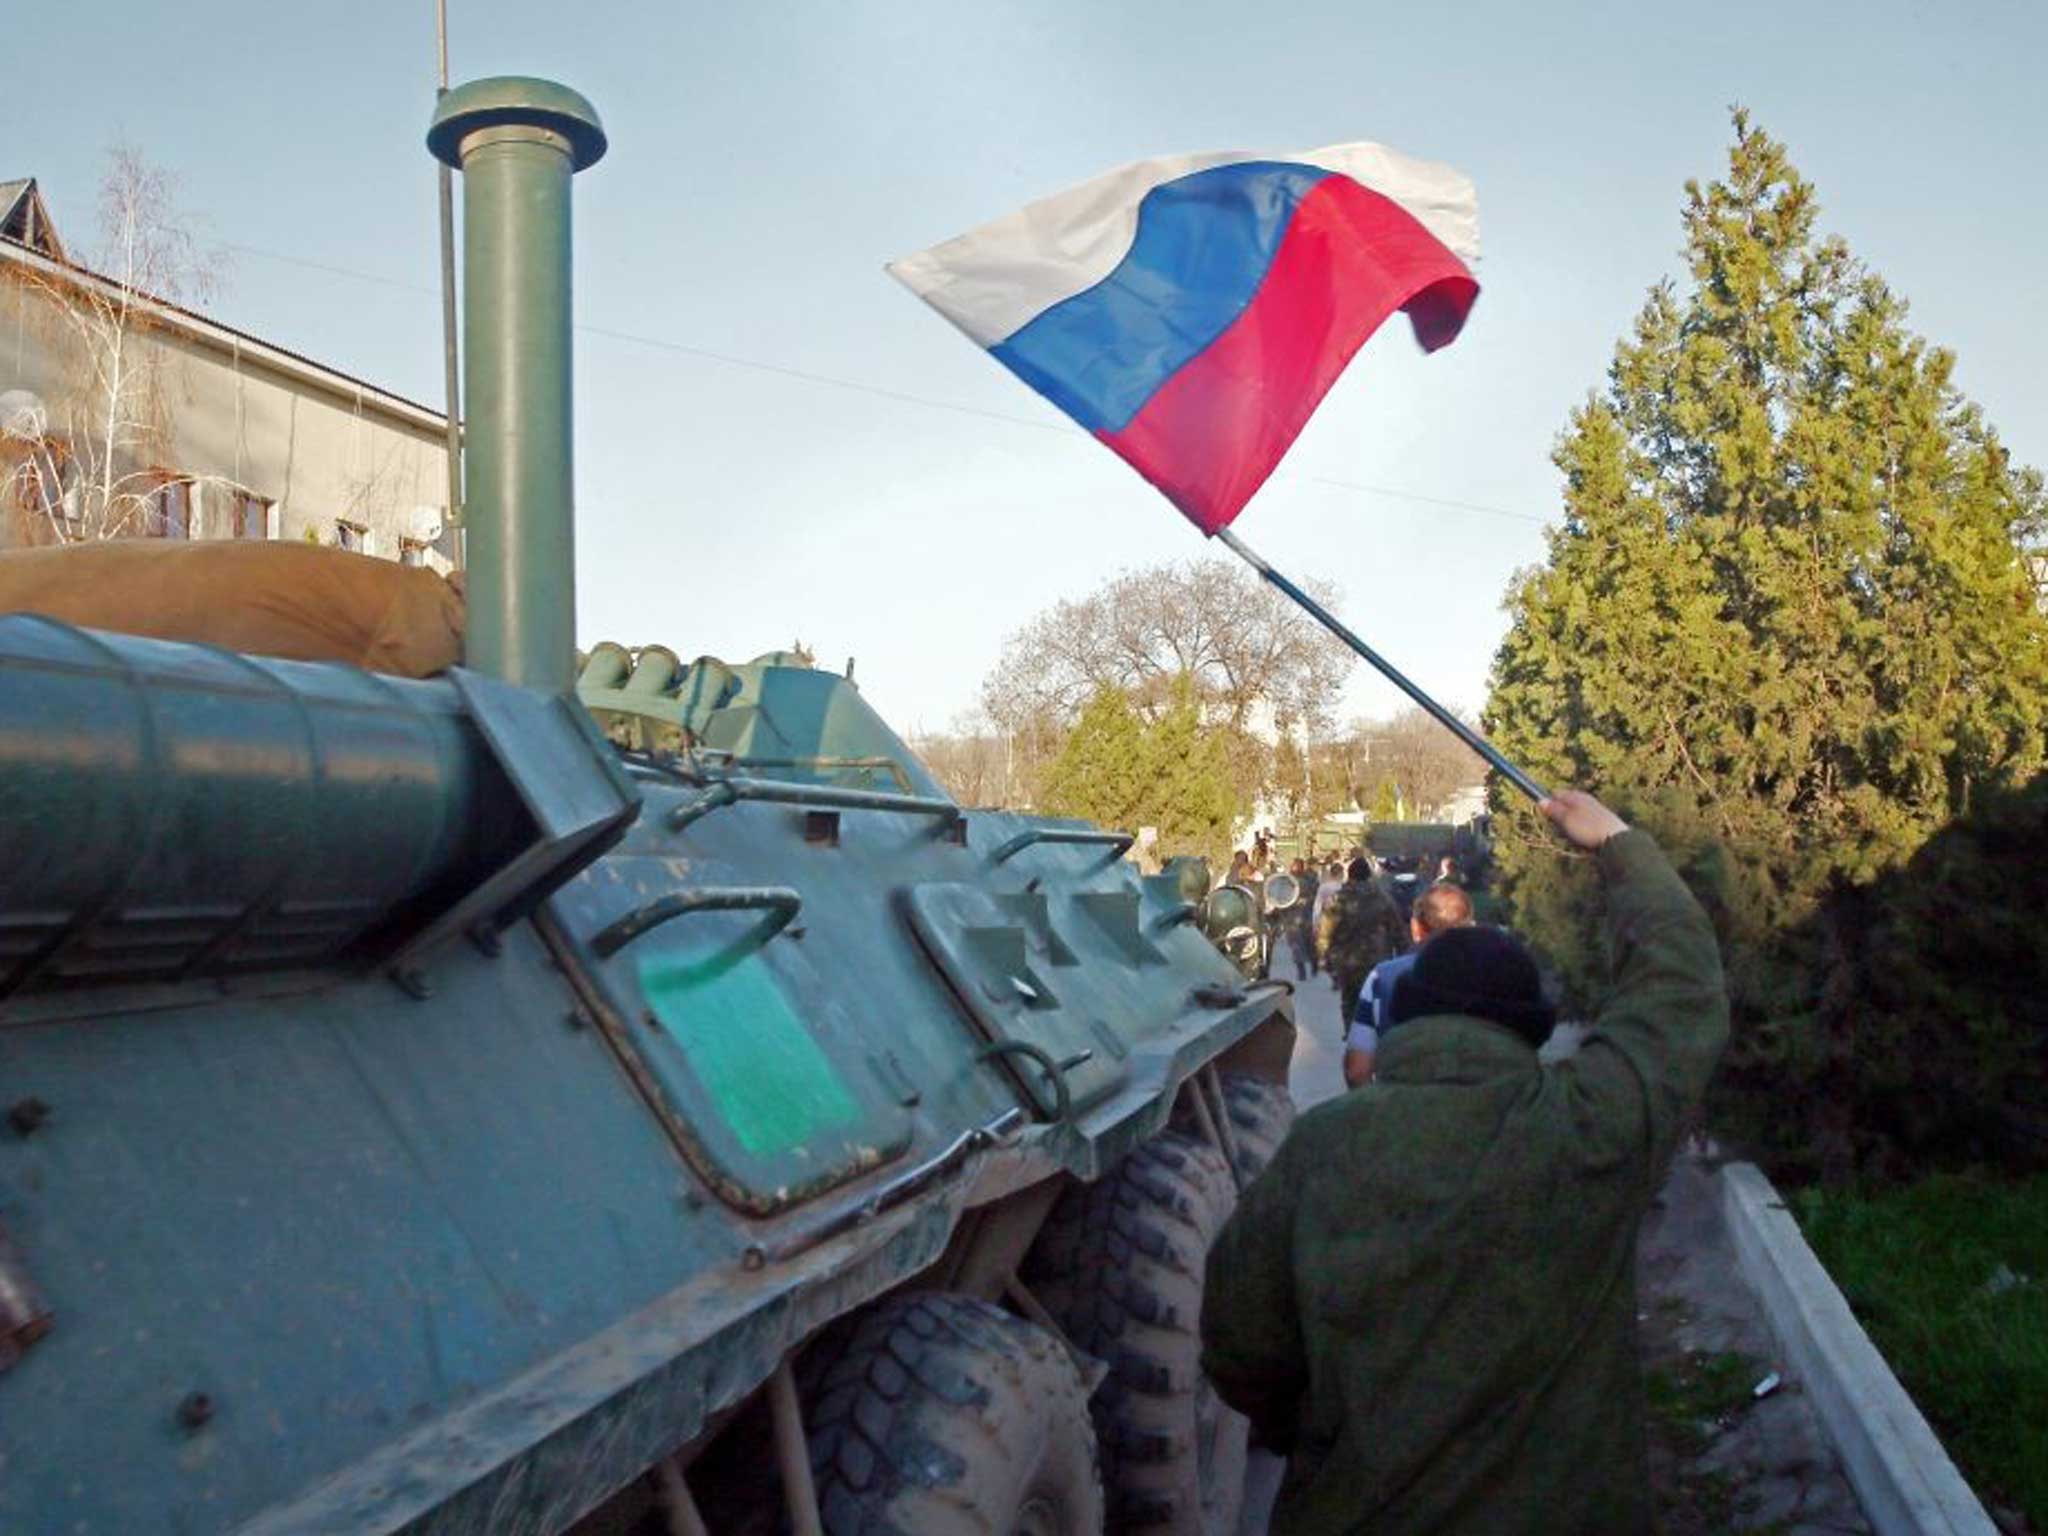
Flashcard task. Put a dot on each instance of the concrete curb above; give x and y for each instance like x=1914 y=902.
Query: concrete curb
x=1907 y=1484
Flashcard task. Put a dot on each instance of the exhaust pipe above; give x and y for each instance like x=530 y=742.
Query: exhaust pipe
x=517 y=141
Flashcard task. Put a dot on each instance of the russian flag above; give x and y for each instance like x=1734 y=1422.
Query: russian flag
x=1192 y=311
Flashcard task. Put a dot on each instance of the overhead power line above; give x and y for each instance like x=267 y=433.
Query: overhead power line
x=857 y=386
x=1430 y=501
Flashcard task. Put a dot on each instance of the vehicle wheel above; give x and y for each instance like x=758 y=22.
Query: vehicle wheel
x=941 y=1414
x=1260 y=1113
x=1119 y=1266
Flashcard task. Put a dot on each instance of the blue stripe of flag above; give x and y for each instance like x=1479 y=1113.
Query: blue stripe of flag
x=1203 y=245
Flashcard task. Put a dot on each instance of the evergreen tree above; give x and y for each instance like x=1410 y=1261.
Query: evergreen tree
x=1189 y=794
x=1101 y=771
x=1291 y=785
x=1386 y=801
x=1788 y=620
x=1174 y=774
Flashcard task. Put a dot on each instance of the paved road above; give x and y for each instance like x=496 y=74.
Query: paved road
x=1317 y=1073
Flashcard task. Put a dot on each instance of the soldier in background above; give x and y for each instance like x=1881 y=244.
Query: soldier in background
x=1359 y=928
x=1330 y=884
x=1241 y=871
x=1302 y=932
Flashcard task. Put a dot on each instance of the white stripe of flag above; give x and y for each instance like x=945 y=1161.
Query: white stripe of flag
x=993 y=281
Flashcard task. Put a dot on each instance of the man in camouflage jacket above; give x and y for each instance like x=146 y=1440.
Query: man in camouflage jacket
x=1358 y=929
x=1427 y=1300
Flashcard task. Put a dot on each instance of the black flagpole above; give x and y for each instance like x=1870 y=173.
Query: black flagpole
x=1335 y=626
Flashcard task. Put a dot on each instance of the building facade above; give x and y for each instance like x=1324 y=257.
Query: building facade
x=123 y=415
x=1465 y=805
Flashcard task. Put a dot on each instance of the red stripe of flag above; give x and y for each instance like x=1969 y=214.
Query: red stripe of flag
x=1211 y=434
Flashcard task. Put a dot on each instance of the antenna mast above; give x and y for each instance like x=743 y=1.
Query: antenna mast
x=454 y=539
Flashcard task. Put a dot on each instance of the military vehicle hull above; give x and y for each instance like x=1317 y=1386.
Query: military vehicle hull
x=443 y=1106
x=471 y=1245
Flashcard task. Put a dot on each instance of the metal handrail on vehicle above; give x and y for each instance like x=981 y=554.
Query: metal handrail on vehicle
x=718 y=795
x=911 y=1182
x=726 y=791
x=1120 y=841
x=888 y=765
x=780 y=902
x=1055 y=1070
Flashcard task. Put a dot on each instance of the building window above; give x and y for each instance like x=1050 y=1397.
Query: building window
x=349 y=536
x=168 y=509
x=248 y=516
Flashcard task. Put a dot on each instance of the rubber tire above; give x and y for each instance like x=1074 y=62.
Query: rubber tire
x=1260 y=1114
x=939 y=1415
x=1119 y=1265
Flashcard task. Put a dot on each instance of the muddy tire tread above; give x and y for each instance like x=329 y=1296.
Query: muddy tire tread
x=1261 y=1113
x=1119 y=1265
x=905 y=1428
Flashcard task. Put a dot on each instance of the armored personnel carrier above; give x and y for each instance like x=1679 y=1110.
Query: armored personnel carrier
x=457 y=1105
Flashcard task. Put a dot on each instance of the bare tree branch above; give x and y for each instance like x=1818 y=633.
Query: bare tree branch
x=104 y=446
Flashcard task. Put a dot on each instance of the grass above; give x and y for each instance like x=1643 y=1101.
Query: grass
x=1950 y=1277
x=1694 y=1397
x=1690 y=1394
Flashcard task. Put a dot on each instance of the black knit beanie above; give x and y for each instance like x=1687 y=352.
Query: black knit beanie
x=1484 y=972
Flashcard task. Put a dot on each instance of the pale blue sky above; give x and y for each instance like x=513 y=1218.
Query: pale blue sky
x=767 y=158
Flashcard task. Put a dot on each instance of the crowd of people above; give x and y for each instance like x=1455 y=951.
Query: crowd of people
x=1345 y=917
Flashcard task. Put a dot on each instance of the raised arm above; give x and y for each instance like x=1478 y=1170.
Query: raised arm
x=1644 y=1066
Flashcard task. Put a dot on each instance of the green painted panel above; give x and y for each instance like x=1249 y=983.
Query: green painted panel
x=1014 y=959
x=771 y=1078
x=771 y=1084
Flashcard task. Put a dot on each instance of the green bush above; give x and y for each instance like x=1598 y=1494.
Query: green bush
x=1929 y=1046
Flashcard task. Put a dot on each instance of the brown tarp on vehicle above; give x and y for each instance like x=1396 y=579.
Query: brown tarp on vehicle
x=298 y=601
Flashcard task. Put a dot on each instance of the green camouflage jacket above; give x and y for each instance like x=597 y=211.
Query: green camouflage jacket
x=1360 y=927
x=1428 y=1297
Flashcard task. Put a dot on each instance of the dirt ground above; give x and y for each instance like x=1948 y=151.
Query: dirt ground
x=1723 y=1459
